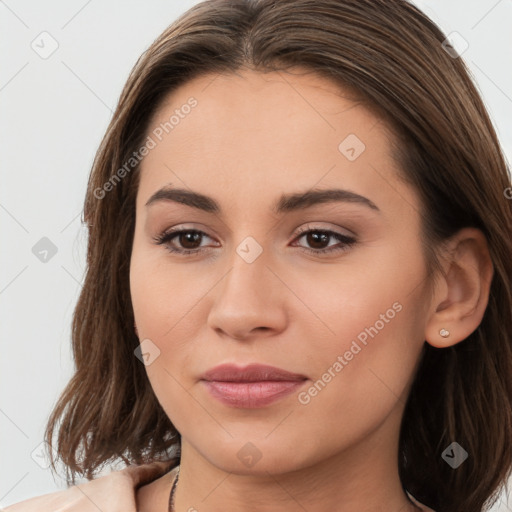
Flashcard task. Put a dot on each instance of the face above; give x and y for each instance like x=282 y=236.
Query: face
x=271 y=269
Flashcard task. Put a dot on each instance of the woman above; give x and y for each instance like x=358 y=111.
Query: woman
x=298 y=287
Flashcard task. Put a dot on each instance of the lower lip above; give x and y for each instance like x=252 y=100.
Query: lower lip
x=251 y=395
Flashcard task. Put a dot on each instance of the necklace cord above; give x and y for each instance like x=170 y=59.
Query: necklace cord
x=173 y=489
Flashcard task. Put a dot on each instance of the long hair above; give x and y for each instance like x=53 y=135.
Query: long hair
x=395 y=59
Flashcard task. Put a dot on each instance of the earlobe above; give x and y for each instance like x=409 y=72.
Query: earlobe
x=462 y=292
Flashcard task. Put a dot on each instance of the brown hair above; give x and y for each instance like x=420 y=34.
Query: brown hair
x=391 y=55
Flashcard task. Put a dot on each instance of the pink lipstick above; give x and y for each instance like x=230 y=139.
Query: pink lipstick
x=250 y=386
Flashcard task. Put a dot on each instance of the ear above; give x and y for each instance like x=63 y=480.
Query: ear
x=461 y=294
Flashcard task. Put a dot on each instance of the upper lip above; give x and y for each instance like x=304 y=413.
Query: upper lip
x=251 y=373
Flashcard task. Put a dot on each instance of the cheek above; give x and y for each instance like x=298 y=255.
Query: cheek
x=367 y=327
x=164 y=295
x=362 y=374
x=165 y=303
x=170 y=306
x=356 y=299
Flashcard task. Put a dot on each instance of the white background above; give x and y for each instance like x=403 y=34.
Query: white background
x=54 y=114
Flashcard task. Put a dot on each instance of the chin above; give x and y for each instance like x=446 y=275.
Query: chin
x=246 y=455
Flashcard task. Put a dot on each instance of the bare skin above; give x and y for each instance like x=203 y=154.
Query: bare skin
x=251 y=138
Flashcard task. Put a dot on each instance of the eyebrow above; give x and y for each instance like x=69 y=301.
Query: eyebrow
x=285 y=204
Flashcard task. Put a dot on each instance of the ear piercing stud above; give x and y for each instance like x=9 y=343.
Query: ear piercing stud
x=444 y=333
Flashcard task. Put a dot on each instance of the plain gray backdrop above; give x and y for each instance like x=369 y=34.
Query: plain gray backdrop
x=62 y=67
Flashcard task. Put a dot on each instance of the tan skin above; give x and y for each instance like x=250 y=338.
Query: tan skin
x=251 y=138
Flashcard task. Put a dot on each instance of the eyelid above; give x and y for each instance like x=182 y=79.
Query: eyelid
x=310 y=226
x=299 y=231
x=345 y=241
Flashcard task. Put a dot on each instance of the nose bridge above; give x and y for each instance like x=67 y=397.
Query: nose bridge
x=247 y=297
x=248 y=276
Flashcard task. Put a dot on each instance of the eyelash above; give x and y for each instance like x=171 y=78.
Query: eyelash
x=167 y=236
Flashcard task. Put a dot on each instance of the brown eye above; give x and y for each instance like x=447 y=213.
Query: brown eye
x=184 y=241
x=317 y=241
x=188 y=239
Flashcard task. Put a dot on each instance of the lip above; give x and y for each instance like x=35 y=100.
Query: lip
x=250 y=386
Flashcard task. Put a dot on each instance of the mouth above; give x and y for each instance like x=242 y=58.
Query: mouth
x=251 y=386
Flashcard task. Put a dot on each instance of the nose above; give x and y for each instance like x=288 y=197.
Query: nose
x=249 y=302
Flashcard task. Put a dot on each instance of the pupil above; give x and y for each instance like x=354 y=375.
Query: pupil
x=317 y=238
x=187 y=238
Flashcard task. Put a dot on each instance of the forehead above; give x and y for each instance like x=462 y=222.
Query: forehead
x=300 y=102
x=257 y=134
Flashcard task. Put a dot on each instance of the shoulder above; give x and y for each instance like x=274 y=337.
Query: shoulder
x=155 y=495
x=115 y=492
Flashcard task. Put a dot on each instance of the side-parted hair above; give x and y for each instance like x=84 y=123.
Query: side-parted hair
x=392 y=57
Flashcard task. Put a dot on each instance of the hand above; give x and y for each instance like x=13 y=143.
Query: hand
x=114 y=492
